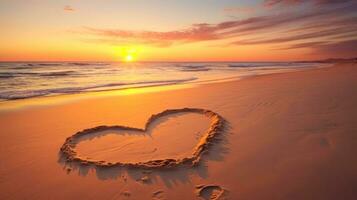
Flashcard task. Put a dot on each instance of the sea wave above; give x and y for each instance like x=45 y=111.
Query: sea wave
x=6 y=76
x=60 y=73
x=47 y=64
x=44 y=74
x=194 y=68
x=23 y=94
x=26 y=80
x=88 y=63
x=266 y=64
x=55 y=64
x=80 y=63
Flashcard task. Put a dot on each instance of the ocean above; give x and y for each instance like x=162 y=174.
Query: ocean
x=20 y=80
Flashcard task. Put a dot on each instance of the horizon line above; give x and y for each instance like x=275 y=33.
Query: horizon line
x=162 y=61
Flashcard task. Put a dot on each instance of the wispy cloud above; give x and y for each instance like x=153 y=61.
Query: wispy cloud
x=196 y=33
x=310 y=28
x=239 y=9
x=297 y=37
x=271 y=3
x=303 y=45
x=346 y=49
x=69 y=8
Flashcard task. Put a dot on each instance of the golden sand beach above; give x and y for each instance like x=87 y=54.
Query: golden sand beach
x=287 y=136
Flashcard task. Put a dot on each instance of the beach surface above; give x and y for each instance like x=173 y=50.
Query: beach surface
x=287 y=136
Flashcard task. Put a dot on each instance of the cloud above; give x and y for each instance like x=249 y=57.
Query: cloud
x=239 y=9
x=126 y=42
x=69 y=8
x=303 y=45
x=271 y=3
x=316 y=28
x=198 y=32
x=296 y=37
x=346 y=49
x=195 y=33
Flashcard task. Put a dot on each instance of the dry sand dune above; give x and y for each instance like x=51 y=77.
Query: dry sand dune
x=291 y=136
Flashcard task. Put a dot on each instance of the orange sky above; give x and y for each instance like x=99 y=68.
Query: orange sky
x=183 y=30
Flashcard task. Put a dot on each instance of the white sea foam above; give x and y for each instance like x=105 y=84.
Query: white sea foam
x=27 y=80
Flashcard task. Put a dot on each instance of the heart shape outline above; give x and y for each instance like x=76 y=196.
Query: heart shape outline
x=216 y=127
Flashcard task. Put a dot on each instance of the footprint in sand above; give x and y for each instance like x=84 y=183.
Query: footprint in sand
x=211 y=192
x=125 y=194
x=158 y=195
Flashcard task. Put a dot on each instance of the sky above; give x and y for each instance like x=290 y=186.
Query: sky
x=177 y=30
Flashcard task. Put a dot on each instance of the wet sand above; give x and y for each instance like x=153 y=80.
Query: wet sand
x=289 y=136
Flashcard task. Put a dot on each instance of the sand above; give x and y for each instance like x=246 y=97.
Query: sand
x=289 y=136
x=156 y=146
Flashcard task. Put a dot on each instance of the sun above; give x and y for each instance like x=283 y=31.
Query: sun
x=129 y=58
x=127 y=54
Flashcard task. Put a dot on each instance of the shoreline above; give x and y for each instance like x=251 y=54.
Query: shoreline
x=70 y=97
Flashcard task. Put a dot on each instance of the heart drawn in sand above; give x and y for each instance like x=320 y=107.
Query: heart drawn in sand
x=70 y=152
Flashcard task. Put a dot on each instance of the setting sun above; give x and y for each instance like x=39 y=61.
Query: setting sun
x=127 y=54
x=129 y=58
